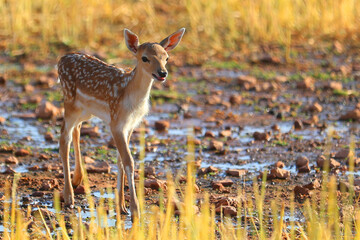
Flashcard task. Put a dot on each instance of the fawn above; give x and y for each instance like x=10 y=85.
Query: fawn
x=93 y=88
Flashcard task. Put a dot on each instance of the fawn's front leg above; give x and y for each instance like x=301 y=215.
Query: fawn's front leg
x=78 y=172
x=120 y=138
x=120 y=185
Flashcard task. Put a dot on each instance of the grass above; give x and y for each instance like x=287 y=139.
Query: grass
x=213 y=27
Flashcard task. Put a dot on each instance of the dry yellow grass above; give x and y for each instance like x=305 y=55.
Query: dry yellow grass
x=214 y=26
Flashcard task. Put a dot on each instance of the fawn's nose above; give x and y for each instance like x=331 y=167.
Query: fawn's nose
x=162 y=73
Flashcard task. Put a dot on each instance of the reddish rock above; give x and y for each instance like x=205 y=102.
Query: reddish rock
x=321 y=162
x=225 y=182
x=301 y=192
x=38 y=194
x=247 y=82
x=235 y=99
x=236 y=172
x=209 y=134
x=149 y=171
x=334 y=86
x=313 y=185
x=213 y=100
x=162 y=125
x=216 y=145
x=49 y=137
x=33 y=168
x=50 y=167
x=98 y=167
x=307 y=84
x=261 y=136
x=225 y=133
x=9 y=170
x=302 y=161
x=28 y=88
x=2 y=81
x=11 y=160
x=88 y=160
x=229 y=211
x=44 y=156
x=155 y=184
x=278 y=173
x=79 y=190
x=281 y=79
x=92 y=132
x=298 y=125
x=46 y=111
x=275 y=127
x=22 y=153
x=304 y=169
x=315 y=107
x=49 y=184
x=197 y=142
x=2 y=120
x=351 y=115
x=279 y=164
x=218 y=186
x=25 y=116
x=343 y=154
x=207 y=170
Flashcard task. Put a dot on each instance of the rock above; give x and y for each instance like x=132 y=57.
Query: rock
x=88 y=160
x=46 y=111
x=229 y=211
x=279 y=164
x=225 y=133
x=278 y=173
x=162 y=125
x=49 y=184
x=149 y=171
x=98 y=167
x=261 y=136
x=28 y=88
x=334 y=86
x=213 y=100
x=321 y=162
x=33 y=168
x=304 y=169
x=218 y=186
x=235 y=99
x=92 y=132
x=207 y=170
x=44 y=156
x=49 y=137
x=2 y=120
x=2 y=81
x=9 y=170
x=216 y=145
x=197 y=142
x=25 y=116
x=276 y=128
x=298 y=125
x=225 y=182
x=343 y=154
x=307 y=84
x=301 y=192
x=11 y=160
x=209 y=134
x=315 y=107
x=302 y=161
x=236 y=172
x=22 y=153
x=247 y=82
x=281 y=79
x=79 y=190
x=50 y=167
x=313 y=185
x=351 y=115
x=155 y=184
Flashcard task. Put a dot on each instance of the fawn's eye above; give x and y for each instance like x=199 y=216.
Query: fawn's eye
x=167 y=59
x=145 y=59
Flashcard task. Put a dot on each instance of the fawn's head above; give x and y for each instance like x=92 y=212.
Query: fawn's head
x=152 y=57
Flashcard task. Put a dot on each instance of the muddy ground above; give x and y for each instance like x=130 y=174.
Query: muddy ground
x=247 y=115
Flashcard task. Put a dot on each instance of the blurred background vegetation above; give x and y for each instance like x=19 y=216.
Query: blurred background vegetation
x=214 y=28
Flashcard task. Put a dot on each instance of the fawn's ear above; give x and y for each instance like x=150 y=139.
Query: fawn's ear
x=132 y=41
x=173 y=40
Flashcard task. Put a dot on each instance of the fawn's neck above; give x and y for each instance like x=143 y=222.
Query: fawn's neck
x=140 y=84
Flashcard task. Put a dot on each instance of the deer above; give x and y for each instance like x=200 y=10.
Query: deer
x=91 y=88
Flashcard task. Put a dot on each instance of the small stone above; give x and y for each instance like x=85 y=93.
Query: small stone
x=98 y=167
x=275 y=127
x=235 y=99
x=2 y=120
x=49 y=185
x=278 y=173
x=209 y=134
x=46 y=111
x=79 y=190
x=351 y=115
x=315 y=107
x=149 y=171
x=38 y=194
x=2 y=81
x=155 y=184
x=298 y=125
x=307 y=84
x=281 y=79
x=261 y=136
x=22 y=153
x=301 y=192
x=225 y=133
x=279 y=164
x=236 y=172
x=33 y=168
x=216 y=145
x=11 y=160
x=28 y=88
x=218 y=186
x=9 y=170
x=247 y=82
x=302 y=161
x=213 y=100
x=313 y=185
x=334 y=86
x=343 y=154
x=89 y=160
x=211 y=169
x=44 y=156
x=304 y=169
x=49 y=137
x=321 y=162
x=162 y=125
x=92 y=132
x=227 y=182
